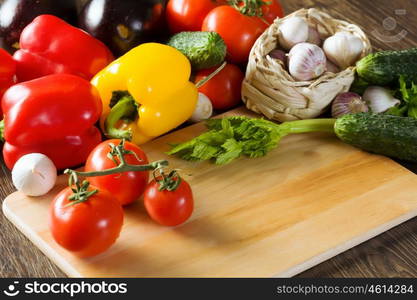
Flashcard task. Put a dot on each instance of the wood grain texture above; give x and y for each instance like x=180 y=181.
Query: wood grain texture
x=310 y=199
x=391 y=254
x=20 y=258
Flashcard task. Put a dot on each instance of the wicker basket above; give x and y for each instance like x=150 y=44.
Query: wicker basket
x=270 y=90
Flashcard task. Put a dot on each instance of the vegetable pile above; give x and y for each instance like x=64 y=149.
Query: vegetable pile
x=65 y=88
x=86 y=218
x=115 y=66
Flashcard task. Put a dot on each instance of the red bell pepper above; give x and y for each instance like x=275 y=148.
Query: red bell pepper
x=54 y=115
x=49 y=45
x=67 y=152
x=7 y=73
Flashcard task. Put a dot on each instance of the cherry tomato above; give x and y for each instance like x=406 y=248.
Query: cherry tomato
x=238 y=31
x=88 y=228
x=187 y=15
x=169 y=208
x=224 y=89
x=128 y=186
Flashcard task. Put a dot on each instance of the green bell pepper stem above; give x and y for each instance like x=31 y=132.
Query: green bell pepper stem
x=124 y=107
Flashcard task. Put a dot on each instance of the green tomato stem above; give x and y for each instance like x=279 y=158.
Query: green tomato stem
x=122 y=168
x=120 y=152
x=81 y=191
x=251 y=8
x=166 y=182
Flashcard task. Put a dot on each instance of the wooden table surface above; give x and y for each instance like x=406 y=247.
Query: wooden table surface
x=390 y=25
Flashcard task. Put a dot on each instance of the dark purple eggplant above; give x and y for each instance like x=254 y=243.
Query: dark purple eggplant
x=122 y=25
x=16 y=14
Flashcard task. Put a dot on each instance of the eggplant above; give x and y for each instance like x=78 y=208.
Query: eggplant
x=16 y=14
x=123 y=25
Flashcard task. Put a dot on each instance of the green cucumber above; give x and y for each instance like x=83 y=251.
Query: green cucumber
x=203 y=49
x=386 y=67
x=378 y=133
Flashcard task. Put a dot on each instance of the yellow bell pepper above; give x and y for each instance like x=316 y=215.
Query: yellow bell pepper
x=146 y=93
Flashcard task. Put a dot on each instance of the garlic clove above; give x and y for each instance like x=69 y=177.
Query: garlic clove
x=379 y=99
x=331 y=67
x=203 y=109
x=343 y=49
x=348 y=103
x=313 y=36
x=293 y=31
x=34 y=174
x=279 y=55
x=306 y=61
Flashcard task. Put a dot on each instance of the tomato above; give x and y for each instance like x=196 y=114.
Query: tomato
x=271 y=11
x=238 y=31
x=169 y=208
x=187 y=15
x=127 y=186
x=224 y=89
x=88 y=228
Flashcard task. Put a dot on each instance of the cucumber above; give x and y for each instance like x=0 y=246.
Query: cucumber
x=386 y=67
x=203 y=49
x=382 y=134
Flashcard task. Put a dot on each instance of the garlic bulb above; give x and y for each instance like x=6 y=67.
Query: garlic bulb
x=348 y=103
x=306 y=61
x=34 y=174
x=293 y=31
x=379 y=99
x=331 y=67
x=343 y=49
x=203 y=109
x=313 y=36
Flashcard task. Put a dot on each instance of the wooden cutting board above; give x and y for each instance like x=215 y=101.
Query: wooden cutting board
x=307 y=201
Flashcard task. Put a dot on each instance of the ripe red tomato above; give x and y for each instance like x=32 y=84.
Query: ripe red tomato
x=238 y=31
x=169 y=208
x=224 y=89
x=88 y=228
x=272 y=11
x=187 y=15
x=128 y=186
